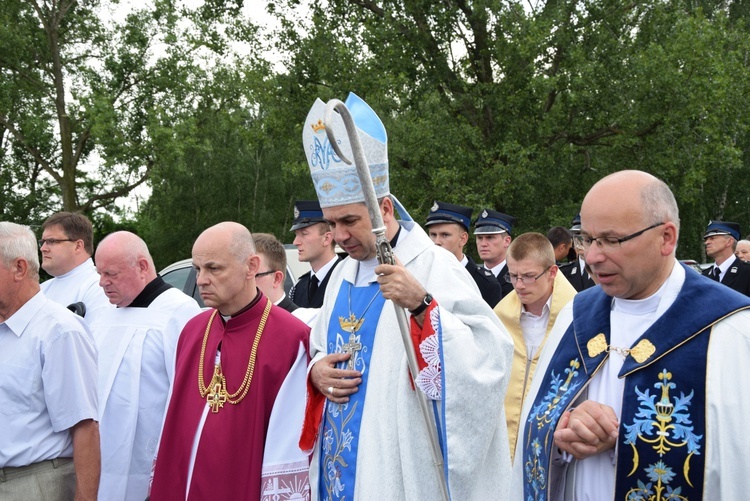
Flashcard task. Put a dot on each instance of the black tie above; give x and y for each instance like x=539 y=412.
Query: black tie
x=313 y=286
x=716 y=273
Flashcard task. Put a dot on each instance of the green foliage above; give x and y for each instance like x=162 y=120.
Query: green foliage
x=511 y=105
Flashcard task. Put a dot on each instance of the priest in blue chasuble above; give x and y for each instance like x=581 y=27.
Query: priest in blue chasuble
x=639 y=391
x=363 y=425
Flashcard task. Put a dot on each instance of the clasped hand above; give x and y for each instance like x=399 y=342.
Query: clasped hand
x=587 y=430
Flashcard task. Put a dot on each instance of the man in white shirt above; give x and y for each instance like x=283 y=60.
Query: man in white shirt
x=67 y=245
x=528 y=313
x=48 y=406
x=314 y=241
x=137 y=343
x=635 y=393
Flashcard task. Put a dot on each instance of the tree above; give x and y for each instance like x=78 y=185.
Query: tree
x=83 y=99
x=523 y=109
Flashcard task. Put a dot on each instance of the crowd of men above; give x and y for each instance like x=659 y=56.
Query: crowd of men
x=431 y=376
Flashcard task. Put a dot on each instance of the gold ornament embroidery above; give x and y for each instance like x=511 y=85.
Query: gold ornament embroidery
x=640 y=352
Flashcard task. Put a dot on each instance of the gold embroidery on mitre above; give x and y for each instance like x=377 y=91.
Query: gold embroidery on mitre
x=318 y=126
x=351 y=324
x=642 y=351
x=597 y=345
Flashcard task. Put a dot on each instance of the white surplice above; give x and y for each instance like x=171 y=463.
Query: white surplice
x=136 y=369
x=394 y=459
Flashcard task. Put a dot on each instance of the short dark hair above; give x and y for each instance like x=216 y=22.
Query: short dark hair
x=534 y=246
x=559 y=235
x=272 y=249
x=76 y=227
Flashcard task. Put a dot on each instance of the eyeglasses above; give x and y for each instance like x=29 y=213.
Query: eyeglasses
x=258 y=275
x=53 y=241
x=607 y=244
x=512 y=279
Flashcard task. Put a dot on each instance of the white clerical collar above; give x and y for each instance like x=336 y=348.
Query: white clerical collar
x=323 y=271
x=366 y=272
x=366 y=269
x=496 y=269
x=659 y=301
x=464 y=261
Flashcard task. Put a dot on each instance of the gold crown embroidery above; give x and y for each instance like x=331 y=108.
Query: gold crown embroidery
x=351 y=324
x=318 y=126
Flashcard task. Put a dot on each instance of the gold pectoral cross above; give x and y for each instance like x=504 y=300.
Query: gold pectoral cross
x=218 y=394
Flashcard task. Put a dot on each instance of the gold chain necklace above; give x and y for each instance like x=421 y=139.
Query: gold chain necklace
x=216 y=393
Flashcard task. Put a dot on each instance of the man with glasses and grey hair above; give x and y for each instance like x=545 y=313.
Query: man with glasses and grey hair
x=529 y=312
x=49 y=445
x=635 y=395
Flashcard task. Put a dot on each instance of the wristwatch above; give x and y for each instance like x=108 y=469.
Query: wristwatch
x=426 y=301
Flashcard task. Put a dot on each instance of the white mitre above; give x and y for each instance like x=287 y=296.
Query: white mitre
x=336 y=183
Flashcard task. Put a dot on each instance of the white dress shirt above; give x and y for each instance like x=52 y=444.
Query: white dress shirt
x=48 y=377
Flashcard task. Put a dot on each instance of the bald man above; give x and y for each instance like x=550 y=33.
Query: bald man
x=136 y=342
x=635 y=395
x=232 y=432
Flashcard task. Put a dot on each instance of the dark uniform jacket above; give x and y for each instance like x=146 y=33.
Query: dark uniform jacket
x=300 y=293
x=506 y=286
x=737 y=276
x=488 y=285
x=287 y=304
x=577 y=277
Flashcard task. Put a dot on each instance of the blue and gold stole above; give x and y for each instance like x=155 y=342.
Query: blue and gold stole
x=660 y=451
x=357 y=310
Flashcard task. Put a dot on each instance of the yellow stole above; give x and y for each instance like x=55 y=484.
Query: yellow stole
x=509 y=312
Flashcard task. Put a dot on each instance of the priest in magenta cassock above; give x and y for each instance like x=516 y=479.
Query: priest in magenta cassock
x=136 y=343
x=639 y=390
x=363 y=424
x=238 y=399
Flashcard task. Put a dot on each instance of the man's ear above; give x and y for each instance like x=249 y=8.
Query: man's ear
x=19 y=268
x=387 y=210
x=253 y=265
x=464 y=238
x=278 y=279
x=142 y=264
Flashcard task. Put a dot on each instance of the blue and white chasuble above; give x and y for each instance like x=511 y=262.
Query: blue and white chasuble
x=660 y=449
x=357 y=310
